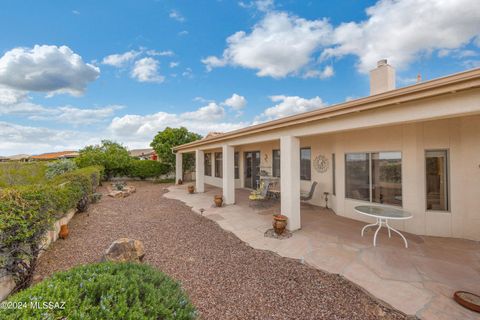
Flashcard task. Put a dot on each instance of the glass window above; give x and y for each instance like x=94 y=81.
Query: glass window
x=208 y=164
x=276 y=163
x=305 y=164
x=237 y=165
x=218 y=165
x=357 y=176
x=436 y=170
x=387 y=178
x=333 y=175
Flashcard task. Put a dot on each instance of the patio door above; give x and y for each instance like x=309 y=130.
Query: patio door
x=252 y=169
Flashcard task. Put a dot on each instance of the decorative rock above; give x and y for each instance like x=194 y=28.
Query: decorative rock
x=117 y=194
x=125 y=250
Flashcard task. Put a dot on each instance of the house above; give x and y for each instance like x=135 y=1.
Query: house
x=55 y=155
x=143 y=154
x=415 y=148
x=19 y=157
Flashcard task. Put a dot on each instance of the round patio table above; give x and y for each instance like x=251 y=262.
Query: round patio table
x=383 y=214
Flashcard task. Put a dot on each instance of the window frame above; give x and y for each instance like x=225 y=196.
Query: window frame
x=370 y=177
x=447 y=178
x=334 y=184
x=310 y=161
x=236 y=165
x=207 y=164
x=218 y=173
x=279 y=163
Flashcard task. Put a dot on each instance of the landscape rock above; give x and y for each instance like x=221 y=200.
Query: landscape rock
x=125 y=250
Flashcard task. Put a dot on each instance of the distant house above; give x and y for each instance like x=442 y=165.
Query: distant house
x=55 y=156
x=143 y=154
x=3 y=159
x=19 y=157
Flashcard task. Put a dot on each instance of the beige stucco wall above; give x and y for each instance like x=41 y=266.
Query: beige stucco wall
x=461 y=136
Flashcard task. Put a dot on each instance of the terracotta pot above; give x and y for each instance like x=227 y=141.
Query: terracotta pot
x=218 y=200
x=191 y=189
x=279 y=223
x=179 y=181
x=63 y=231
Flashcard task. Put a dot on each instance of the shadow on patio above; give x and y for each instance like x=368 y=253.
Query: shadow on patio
x=418 y=281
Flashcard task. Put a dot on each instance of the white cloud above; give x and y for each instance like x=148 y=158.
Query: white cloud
x=188 y=73
x=11 y=96
x=289 y=105
x=165 y=53
x=174 y=14
x=146 y=70
x=183 y=33
x=44 y=68
x=212 y=111
x=327 y=72
x=402 y=30
x=120 y=59
x=261 y=5
x=64 y=114
x=279 y=45
x=174 y=64
x=236 y=102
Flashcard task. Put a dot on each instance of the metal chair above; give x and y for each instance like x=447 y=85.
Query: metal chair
x=309 y=196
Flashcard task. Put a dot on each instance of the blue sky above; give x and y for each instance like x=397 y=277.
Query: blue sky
x=75 y=72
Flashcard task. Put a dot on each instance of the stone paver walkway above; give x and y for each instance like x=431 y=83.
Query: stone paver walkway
x=419 y=280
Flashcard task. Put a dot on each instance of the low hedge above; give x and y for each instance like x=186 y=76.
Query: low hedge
x=147 y=169
x=102 y=291
x=27 y=213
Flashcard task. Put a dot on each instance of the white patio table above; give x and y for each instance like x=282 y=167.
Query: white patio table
x=383 y=214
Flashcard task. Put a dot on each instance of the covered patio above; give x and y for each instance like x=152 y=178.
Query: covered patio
x=418 y=281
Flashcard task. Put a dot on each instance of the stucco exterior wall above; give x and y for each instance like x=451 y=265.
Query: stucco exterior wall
x=461 y=136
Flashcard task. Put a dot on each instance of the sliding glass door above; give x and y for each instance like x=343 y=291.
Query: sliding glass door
x=252 y=169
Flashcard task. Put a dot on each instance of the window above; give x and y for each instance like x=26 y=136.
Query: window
x=436 y=170
x=276 y=163
x=208 y=164
x=237 y=165
x=305 y=163
x=333 y=174
x=218 y=165
x=374 y=177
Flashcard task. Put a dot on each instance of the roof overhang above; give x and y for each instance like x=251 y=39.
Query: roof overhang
x=463 y=81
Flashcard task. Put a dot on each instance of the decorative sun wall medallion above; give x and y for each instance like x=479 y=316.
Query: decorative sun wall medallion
x=320 y=163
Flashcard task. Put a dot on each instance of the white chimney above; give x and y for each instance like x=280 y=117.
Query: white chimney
x=382 y=78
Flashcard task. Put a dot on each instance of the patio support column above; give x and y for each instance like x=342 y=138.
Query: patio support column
x=228 y=154
x=199 y=171
x=290 y=180
x=178 y=167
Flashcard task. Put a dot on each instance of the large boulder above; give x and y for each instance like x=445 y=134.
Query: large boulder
x=125 y=250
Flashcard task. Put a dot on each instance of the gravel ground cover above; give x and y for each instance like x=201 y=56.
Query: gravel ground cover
x=224 y=277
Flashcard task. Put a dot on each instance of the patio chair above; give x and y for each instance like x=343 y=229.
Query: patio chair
x=259 y=196
x=309 y=196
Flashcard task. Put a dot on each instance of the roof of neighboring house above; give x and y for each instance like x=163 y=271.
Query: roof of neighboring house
x=55 y=155
x=18 y=157
x=140 y=152
x=212 y=134
x=453 y=83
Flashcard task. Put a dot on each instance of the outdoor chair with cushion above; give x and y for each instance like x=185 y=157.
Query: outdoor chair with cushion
x=259 y=196
x=309 y=195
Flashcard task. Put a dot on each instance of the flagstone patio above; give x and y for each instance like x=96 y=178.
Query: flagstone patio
x=419 y=280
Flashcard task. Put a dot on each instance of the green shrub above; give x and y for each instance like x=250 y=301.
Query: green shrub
x=59 y=167
x=17 y=173
x=27 y=213
x=147 y=169
x=104 y=291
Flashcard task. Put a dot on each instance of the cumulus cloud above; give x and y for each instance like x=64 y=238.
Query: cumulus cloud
x=401 y=30
x=11 y=96
x=45 y=68
x=175 y=15
x=279 y=45
x=146 y=70
x=289 y=105
x=120 y=59
x=261 y=5
x=282 y=44
x=237 y=102
x=212 y=111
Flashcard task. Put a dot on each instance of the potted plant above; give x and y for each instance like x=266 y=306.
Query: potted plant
x=218 y=199
x=191 y=189
x=279 y=223
x=63 y=234
x=179 y=181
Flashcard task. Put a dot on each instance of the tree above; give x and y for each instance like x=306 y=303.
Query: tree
x=111 y=155
x=165 y=140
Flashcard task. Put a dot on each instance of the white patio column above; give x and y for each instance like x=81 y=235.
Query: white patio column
x=228 y=155
x=178 y=167
x=199 y=171
x=290 y=180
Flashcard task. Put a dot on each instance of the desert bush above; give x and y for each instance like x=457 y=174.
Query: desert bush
x=17 y=173
x=27 y=213
x=104 y=291
x=147 y=169
x=59 y=167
